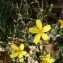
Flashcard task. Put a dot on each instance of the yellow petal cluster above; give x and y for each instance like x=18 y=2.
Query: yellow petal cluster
x=39 y=30
x=47 y=59
x=19 y=51
x=61 y=23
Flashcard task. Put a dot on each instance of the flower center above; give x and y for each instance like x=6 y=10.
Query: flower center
x=41 y=31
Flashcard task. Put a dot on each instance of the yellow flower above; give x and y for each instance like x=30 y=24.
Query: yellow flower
x=19 y=51
x=47 y=59
x=39 y=31
x=61 y=22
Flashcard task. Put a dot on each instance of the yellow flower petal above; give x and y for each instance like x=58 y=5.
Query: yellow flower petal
x=61 y=26
x=47 y=59
x=51 y=60
x=20 y=55
x=37 y=38
x=22 y=47
x=46 y=28
x=45 y=36
x=61 y=21
x=21 y=59
x=48 y=55
x=13 y=55
x=14 y=47
x=25 y=53
x=39 y=24
x=44 y=60
x=33 y=30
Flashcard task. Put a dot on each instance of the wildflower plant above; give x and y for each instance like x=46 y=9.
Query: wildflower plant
x=19 y=51
x=47 y=59
x=40 y=31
